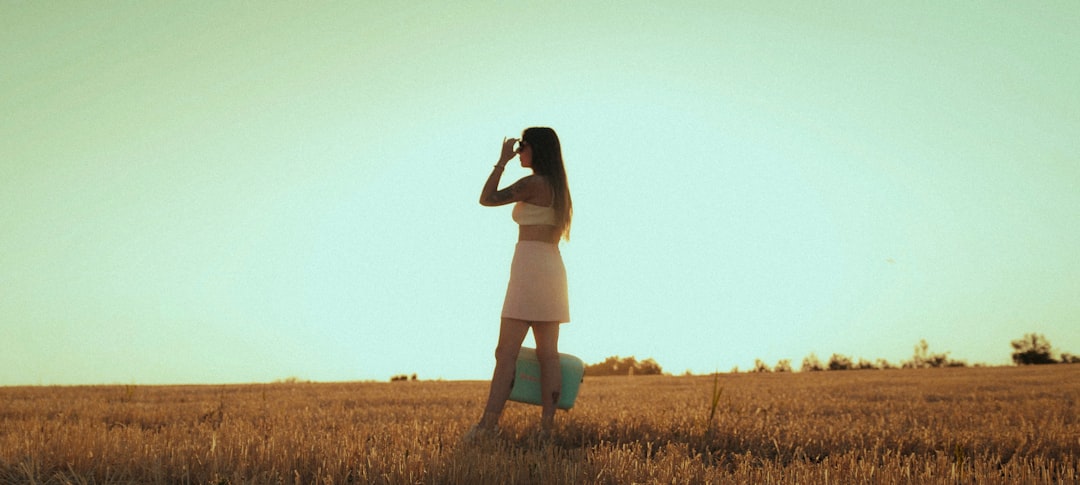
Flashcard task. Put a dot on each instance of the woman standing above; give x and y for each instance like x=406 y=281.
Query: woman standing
x=536 y=296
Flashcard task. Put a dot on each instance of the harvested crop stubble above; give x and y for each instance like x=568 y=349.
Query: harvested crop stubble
x=981 y=425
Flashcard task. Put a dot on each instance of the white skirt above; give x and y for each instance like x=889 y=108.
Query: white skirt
x=537 y=289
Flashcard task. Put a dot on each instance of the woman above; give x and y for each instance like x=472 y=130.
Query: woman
x=536 y=296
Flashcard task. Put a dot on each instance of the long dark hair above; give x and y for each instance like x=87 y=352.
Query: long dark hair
x=547 y=161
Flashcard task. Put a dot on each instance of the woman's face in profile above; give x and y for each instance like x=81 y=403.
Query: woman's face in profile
x=525 y=154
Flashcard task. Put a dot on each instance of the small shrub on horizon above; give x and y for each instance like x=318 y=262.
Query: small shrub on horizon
x=924 y=359
x=1032 y=349
x=839 y=362
x=811 y=363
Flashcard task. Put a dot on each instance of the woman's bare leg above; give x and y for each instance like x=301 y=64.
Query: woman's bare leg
x=547 y=352
x=511 y=333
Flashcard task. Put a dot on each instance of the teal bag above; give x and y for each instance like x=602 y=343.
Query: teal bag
x=526 y=387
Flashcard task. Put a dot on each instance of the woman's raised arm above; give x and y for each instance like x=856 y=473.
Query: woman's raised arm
x=491 y=196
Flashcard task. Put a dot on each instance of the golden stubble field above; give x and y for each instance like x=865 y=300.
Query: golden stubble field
x=960 y=425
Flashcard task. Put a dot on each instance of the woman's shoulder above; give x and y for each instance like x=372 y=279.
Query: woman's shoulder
x=534 y=182
x=538 y=180
x=540 y=189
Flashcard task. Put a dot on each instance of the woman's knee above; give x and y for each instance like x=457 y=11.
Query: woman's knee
x=505 y=353
x=547 y=354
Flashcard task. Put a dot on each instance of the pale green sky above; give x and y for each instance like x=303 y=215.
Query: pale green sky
x=237 y=192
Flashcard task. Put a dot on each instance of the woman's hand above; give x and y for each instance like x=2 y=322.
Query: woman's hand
x=508 y=152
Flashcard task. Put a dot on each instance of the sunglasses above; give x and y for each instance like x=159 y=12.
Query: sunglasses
x=521 y=144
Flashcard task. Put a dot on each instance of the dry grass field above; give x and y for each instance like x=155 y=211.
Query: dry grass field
x=960 y=425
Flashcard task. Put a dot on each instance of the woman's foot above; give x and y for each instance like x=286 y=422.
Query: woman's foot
x=547 y=423
x=479 y=433
x=542 y=438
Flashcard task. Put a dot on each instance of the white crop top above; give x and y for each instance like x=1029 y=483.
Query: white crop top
x=526 y=214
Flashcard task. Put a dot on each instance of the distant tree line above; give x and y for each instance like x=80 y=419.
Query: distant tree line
x=1032 y=349
x=626 y=366
x=921 y=359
